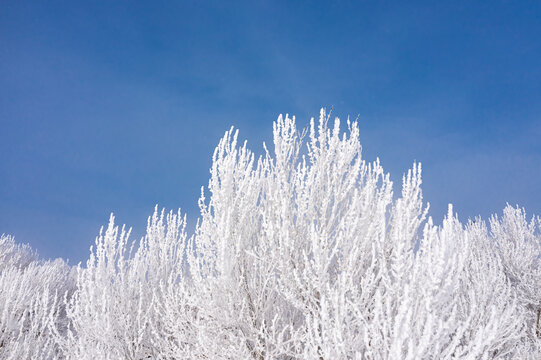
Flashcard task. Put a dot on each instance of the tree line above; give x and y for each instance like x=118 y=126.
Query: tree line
x=301 y=253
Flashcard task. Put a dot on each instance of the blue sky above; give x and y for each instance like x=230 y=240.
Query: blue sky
x=117 y=106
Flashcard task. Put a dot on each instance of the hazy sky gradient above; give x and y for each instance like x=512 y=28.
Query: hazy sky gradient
x=117 y=106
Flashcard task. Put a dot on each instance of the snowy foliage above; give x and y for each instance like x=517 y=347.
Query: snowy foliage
x=302 y=253
x=31 y=307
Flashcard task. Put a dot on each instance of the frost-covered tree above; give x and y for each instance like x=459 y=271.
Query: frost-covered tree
x=13 y=255
x=518 y=245
x=302 y=253
x=112 y=309
x=308 y=256
x=30 y=302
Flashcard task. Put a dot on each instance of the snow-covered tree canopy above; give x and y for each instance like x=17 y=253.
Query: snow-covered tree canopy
x=302 y=253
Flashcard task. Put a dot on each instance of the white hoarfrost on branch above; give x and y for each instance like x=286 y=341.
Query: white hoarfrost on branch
x=301 y=253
